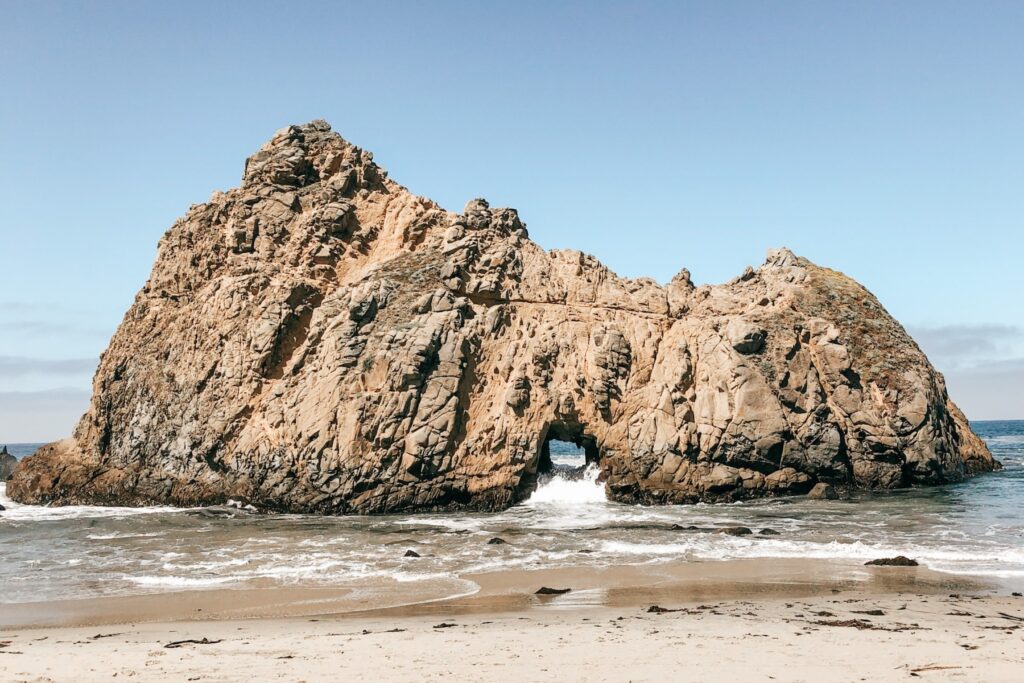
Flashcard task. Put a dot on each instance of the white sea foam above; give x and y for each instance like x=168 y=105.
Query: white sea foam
x=561 y=490
x=450 y=523
x=574 y=459
x=42 y=513
x=1004 y=562
x=206 y=566
x=178 y=581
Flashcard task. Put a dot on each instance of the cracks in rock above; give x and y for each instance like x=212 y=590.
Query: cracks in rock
x=491 y=300
x=293 y=330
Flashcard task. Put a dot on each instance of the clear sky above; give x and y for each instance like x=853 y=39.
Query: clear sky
x=882 y=139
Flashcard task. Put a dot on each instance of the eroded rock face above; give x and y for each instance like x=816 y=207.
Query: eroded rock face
x=322 y=340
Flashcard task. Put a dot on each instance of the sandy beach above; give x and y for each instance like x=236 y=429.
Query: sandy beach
x=794 y=621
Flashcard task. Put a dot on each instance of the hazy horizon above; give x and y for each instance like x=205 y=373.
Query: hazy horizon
x=880 y=140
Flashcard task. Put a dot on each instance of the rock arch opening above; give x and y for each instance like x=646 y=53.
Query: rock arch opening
x=562 y=457
x=567 y=446
x=566 y=452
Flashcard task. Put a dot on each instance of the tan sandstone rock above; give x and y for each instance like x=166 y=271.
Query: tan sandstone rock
x=322 y=340
x=823 y=491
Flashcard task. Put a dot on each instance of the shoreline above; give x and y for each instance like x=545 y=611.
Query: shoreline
x=799 y=621
x=801 y=606
x=504 y=591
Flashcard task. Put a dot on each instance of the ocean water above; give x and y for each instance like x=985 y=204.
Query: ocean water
x=973 y=528
x=20 y=450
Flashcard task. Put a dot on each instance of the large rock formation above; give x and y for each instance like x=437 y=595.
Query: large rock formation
x=322 y=340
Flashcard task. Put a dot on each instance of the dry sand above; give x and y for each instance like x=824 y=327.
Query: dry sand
x=799 y=622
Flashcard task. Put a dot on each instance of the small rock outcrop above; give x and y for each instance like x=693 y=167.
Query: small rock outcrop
x=823 y=491
x=7 y=464
x=898 y=561
x=322 y=340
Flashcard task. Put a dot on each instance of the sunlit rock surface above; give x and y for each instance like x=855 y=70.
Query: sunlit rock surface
x=322 y=340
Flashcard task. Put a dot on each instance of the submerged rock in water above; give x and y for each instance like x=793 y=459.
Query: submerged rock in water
x=823 y=491
x=221 y=512
x=321 y=340
x=735 y=531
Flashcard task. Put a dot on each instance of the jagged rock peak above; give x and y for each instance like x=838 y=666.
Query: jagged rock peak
x=782 y=258
x=7 y=464
x=319 y=339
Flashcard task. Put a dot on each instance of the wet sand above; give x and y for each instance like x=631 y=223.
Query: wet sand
x=623 y=586
x=763 y=620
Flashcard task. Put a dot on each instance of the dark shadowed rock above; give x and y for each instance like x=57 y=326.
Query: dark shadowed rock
x=544 y=590
x=497 y=541
x=411 y=553
x=735 y=531
x=769 y=532
x=7 y=464
x=655 y=609
x=898 y=561
x=823 y=491
x=322 y=340
x=744 y=336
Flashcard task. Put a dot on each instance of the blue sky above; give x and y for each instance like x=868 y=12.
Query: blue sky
x=882 y=139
